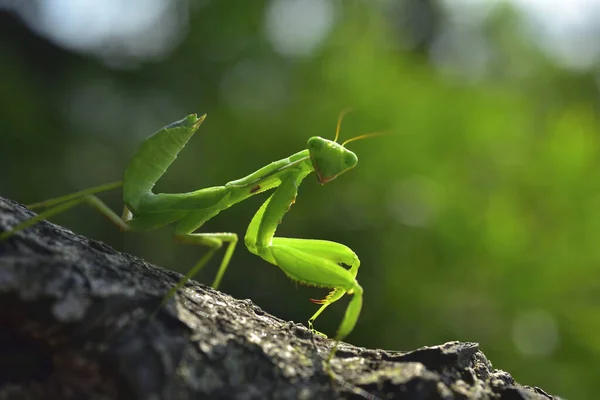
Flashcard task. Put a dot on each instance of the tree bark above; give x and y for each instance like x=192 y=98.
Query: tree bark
x=78 y=321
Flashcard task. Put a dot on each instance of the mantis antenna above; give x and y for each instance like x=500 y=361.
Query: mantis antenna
x=366 y=135
x=359 y=137
x=339 y=123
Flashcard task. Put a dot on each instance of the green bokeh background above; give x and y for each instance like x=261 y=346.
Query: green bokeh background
x=476 y=219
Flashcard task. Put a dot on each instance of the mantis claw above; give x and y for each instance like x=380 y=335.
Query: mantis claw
x=316 y=332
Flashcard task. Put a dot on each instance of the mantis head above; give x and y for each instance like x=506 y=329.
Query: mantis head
x=329 y=158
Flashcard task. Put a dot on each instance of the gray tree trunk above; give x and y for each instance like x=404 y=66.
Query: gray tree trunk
x=77 y=322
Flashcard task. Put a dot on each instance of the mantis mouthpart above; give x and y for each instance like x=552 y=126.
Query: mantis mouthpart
x=311 y=262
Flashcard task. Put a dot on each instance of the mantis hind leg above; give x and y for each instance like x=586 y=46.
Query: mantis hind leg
x=64 y=203
x=72 y=196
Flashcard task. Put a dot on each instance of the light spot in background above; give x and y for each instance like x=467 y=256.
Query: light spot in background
x=415 y=201
x=566 y=29
x=126 y=32
x=468 y=13
x=119 y=31
x=460 y=49
x=255 y=86
x=535 y=333
x=296 y=28
x=460 y=53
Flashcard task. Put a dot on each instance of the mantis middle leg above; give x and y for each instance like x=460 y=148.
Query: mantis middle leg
x=188 y=222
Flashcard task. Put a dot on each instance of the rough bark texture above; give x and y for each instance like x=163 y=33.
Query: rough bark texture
x=77 y=321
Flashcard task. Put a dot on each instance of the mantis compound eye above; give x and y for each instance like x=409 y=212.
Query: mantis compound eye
x=350 y=160
x=315 y=143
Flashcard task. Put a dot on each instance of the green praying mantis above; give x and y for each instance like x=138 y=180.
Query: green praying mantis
x=310 y=262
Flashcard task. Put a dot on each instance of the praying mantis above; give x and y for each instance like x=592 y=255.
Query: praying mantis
x=307 y=261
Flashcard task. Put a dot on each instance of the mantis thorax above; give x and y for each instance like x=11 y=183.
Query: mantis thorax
x=329 y=158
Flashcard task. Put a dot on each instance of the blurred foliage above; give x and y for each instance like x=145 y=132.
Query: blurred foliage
x=476 y=219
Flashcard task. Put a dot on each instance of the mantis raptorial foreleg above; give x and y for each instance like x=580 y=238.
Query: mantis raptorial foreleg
x=311 y=262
